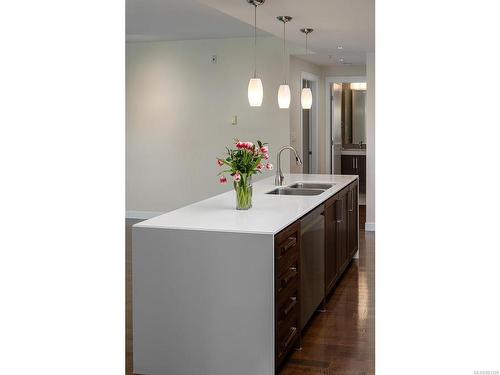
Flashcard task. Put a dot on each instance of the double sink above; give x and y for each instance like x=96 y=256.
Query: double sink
x=302 y=188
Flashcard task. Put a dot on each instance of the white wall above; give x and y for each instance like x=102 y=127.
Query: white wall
x=370 y=141
x=179 y=109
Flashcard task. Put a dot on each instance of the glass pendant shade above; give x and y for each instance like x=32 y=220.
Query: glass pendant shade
x=255 y=92
x=284 y=96
x=306 y=98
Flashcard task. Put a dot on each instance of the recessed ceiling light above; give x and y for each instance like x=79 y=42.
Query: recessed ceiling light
x=339 y=47
x=341 y=59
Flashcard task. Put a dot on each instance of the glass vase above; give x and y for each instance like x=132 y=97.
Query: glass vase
x=243 y=189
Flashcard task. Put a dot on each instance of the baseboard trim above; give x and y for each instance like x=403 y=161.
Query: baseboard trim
x=369 y=227
x=141 y=214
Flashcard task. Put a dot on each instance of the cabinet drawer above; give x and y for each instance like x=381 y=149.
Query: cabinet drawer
x=287 y=283
x=287 y=342
x=287 y=252
x=288 y=309
x=287 y=320
x=284 y=329
x=287 y=290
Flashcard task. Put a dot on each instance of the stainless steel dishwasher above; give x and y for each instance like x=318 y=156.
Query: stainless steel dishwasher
x=312 y=263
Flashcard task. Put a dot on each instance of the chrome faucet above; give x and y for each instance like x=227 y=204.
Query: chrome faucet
x=278 y=180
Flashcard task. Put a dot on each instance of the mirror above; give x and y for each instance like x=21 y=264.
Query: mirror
x=353 y=115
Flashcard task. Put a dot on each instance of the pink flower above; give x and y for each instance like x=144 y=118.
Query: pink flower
x=264 y=149
x=223 y=180
x=237 y=177
x=259 y=167
x=220 y=163
x=266 y=156
x=245 y=145
x=269 y=166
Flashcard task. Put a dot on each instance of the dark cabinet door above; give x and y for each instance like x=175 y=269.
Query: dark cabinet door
x=352 y=219
x=347 y=164
x=361 y=172
x=356 y=165
x=341 y=233
x=331 y=267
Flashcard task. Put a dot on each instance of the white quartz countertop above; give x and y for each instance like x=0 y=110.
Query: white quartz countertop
x=269 y=213
x=355 y=152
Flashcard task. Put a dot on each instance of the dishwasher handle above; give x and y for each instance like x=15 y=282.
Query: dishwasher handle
x=313 y=219
x=341 y=203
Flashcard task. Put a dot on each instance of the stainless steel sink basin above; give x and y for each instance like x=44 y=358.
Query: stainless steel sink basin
x=310 y=185
x=295 y=191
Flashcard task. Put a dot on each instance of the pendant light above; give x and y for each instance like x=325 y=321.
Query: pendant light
x=284 y=90
x=255 y=89
x=306 y=94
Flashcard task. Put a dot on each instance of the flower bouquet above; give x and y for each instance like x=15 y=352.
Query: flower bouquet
x=243 y=161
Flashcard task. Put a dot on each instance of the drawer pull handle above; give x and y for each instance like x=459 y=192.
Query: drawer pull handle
x=291 y=335
x=290 y=306
x=289 y=277
x=341 y=205
x=292 y=241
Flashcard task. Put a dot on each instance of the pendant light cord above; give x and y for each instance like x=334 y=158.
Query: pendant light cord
x=307 y=82
x=284 y=52
x=306 y=46
x=255 y=43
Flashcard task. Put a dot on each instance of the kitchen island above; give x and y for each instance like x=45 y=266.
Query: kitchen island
x=218 y=291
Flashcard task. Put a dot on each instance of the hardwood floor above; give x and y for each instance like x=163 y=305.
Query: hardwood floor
x=338 y=341
x=342 y=339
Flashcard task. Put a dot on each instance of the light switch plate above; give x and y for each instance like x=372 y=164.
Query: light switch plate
x=234 y=120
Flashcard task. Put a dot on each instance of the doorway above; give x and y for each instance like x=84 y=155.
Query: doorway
x=309 y=127
x=339 y=129
x=346 y=135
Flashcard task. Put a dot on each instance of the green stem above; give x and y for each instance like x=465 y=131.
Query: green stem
x=243 y=190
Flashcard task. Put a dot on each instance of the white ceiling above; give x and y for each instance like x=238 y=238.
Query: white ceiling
x=348 y=23
x=148 y=20
x=335 y=58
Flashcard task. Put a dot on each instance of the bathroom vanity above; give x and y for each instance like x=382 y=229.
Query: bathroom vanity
x=218 y=291
x=353 y=161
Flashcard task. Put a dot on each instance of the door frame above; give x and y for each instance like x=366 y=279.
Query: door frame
x=328 y=115
x=314 y=125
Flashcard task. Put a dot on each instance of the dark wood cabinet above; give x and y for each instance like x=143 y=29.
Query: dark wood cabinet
x=355 y=165
x=341 y=233
x=331 y=264
x=347 y=164
x=287 y=291
x=361 y=172
x=341 y=243
x=352 y=219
